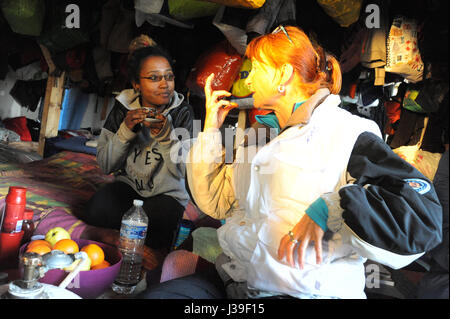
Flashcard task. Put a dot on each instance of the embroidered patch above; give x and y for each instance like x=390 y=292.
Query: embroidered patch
x=419 y=185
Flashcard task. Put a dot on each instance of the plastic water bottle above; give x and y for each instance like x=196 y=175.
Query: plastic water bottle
x=132 y=236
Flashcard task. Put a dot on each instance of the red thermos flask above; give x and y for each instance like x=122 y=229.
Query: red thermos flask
x=11 y=228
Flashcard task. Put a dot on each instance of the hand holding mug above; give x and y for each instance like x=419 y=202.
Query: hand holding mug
x=155 y=121
x=135 y=117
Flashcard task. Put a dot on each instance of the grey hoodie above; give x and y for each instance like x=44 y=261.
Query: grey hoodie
x=143 y=160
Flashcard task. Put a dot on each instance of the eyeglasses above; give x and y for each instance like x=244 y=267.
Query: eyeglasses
x=281 y=28
x=158 y=78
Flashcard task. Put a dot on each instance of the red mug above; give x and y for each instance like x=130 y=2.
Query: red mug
x=9 y=249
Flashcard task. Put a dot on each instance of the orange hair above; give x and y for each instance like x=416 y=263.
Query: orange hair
x=315 y=68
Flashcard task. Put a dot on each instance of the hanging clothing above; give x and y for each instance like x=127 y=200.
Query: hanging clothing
x=28 y=93
x=373 y=54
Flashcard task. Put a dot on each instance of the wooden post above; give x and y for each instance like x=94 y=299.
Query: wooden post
x=54 y=94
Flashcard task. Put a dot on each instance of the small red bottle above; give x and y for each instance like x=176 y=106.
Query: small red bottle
x=27 y=226
x=11 y=229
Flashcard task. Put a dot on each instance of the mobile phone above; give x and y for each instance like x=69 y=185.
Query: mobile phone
x=243 y=103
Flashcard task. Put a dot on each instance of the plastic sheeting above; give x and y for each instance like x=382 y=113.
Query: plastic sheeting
x=74 y=106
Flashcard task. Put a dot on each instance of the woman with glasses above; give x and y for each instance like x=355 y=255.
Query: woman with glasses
x=305 y=210
x=135 y=144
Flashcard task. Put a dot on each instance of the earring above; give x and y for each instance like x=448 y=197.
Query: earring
x=281 y=88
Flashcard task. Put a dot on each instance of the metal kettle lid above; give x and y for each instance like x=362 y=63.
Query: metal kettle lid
x=57 y=259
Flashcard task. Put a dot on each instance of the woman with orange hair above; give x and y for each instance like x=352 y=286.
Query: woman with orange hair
x=327 y=174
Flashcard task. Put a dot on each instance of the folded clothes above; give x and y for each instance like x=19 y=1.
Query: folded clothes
x=76 y=144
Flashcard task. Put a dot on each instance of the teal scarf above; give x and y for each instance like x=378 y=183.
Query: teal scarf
x=271 y=120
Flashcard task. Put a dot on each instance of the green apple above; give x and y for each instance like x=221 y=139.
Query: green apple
x=86 y=265
x=56 y=234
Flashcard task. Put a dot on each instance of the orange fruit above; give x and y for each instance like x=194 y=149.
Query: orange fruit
x=95 y=253
x=103 y=264
x=38 y=242
x=68 y=246
x=41 y=249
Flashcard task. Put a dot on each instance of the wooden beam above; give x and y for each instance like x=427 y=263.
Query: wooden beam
x=54 y=94
x=48 y=59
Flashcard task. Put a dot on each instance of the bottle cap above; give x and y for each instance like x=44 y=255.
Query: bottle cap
x=16 y=195
x=138 y=202
x=28 y=214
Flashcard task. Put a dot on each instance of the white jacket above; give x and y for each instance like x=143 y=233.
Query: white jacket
x=264 y=196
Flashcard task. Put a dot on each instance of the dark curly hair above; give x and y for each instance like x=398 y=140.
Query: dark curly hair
x=135 y=59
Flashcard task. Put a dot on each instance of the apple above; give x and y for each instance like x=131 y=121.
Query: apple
x=56 y=234
x=86 y=265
